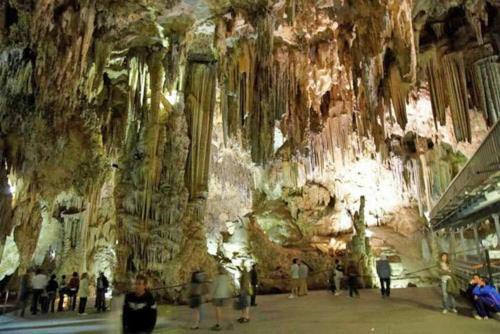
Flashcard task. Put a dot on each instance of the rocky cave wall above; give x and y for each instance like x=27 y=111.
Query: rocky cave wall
x=134 y=132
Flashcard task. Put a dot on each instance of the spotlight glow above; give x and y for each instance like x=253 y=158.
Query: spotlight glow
x=12 y=187
x=173 y=97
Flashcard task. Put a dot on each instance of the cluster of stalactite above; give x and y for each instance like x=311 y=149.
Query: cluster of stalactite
x=84 y=110
x=377 y=77
x=459 y=81
x=86 y=107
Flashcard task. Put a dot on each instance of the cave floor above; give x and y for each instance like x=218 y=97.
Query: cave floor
x=414 y=310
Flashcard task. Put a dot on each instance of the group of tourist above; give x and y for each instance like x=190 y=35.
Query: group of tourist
x=220 y=292
x=44 y=292
x=351 y=276
x=299 y=272
x=139 y=308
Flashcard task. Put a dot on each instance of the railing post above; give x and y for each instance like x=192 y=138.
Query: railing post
x=488 y=265
x=462 y=243
x=496 y=219
x=453 y=249
x=477 y=242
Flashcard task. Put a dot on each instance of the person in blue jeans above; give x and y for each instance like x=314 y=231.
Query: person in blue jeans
x=445 y=275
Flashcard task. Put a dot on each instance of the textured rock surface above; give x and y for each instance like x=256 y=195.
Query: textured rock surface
x=135 y=135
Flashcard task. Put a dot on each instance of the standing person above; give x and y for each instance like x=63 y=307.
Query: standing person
x=294 y=273
x=254 y=280
x=44 y=301
x=384 y=274
x=245 y=293
x=352 y=279
x=38 y=284
x=221 y=291
x=51 y=292
x=24 y=293
x=139 y=309
x=303 y=274
x=84 y=294
x=445 y=274
x=197 y=289
x=339 y=274
x=73 y=286
x=102 y=286
x=62 y=291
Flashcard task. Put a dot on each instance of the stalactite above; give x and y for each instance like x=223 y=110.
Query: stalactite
x=231 y=98
x=438 y=88
x=454 y=70
x=200 y=101
x=152 y=134
x=398 y=91
x=486 y=87
x=261 y=117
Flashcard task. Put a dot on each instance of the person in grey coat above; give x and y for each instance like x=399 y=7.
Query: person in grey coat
x=384 y=274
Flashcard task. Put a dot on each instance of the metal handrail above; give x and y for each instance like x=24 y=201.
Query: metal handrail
x=475 y=171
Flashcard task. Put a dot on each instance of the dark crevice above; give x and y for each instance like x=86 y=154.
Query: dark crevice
x=11 y=16
x=454 y=21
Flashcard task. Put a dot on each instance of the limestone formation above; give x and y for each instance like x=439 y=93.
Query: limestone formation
x=139 y=135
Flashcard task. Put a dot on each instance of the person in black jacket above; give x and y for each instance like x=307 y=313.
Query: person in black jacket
x=254 y=280
x=52 y=287
x=139 y=309
x=352 y=279
x=24 y=293
x=102 y=286
x=62 y=292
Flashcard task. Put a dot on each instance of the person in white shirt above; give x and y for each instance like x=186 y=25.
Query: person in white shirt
x=38 y=284
x=294 y=274
x=221 y=292
x=84 y=294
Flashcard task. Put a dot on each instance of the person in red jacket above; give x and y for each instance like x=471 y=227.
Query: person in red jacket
x=73 y=287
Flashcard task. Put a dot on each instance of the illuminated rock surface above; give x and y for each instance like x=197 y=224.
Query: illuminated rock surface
x=164 y=136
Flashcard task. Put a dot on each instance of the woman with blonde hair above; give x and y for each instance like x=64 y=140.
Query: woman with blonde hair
x=84 y=293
